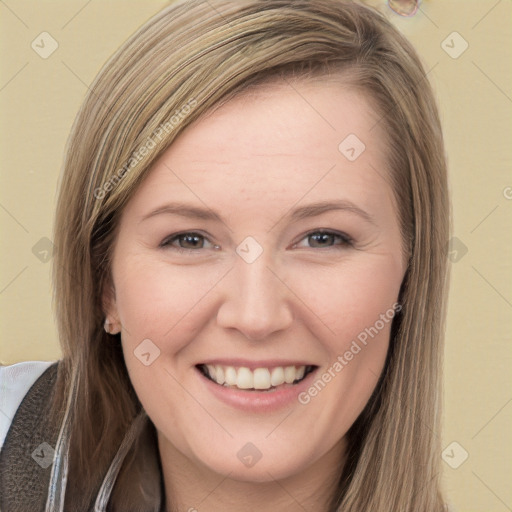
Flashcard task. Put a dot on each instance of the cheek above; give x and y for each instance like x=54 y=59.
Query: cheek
x=356 y=304
x=155 y=299
x=349 y=300
x=162 y=303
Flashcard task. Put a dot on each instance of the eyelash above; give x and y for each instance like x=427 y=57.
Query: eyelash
x=346 y=241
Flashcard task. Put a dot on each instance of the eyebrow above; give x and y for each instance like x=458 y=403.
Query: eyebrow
x=303 y=212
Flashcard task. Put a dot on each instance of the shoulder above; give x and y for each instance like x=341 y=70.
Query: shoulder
x=15 y=382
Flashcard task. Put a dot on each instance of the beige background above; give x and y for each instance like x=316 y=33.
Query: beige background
x=40 y=97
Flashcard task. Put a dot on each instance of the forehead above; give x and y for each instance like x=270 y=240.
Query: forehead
x=309 y=118
x=278 y=141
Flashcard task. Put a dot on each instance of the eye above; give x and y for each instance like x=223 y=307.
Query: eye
x=192 y=241
x=326 y=239
x=187 y=242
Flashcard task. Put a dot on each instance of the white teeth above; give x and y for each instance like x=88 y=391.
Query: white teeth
x=219 y=375
x=260 y=378
x=229 y=375
x=244 y=379
x=211 y=370
x=277 y=376
x=289 y=374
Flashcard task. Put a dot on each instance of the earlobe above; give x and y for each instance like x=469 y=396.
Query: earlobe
x=112 y=325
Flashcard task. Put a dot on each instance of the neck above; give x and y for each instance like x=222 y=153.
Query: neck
x=191 y=488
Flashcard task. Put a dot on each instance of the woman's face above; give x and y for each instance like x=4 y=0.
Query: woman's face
x=220 y=267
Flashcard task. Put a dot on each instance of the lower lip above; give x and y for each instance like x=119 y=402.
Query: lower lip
x=258 y=401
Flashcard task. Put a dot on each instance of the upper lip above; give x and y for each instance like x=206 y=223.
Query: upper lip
x=253 y=364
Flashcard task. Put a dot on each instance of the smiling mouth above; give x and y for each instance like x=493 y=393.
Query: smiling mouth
x=259 y=379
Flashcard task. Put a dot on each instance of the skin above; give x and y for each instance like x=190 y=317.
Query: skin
x=253 y=160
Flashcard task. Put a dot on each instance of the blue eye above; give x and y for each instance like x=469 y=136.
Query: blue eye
x=326 y=239
x=192 y=241
x=188 y=242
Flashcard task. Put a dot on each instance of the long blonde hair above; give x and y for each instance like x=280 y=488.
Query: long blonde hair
x=189 y=58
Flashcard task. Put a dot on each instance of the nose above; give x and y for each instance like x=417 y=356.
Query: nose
x=256 y=302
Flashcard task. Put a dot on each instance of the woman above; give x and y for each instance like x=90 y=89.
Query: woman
x=250 y=274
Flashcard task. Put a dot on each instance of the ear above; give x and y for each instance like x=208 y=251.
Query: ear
x=109 y=306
